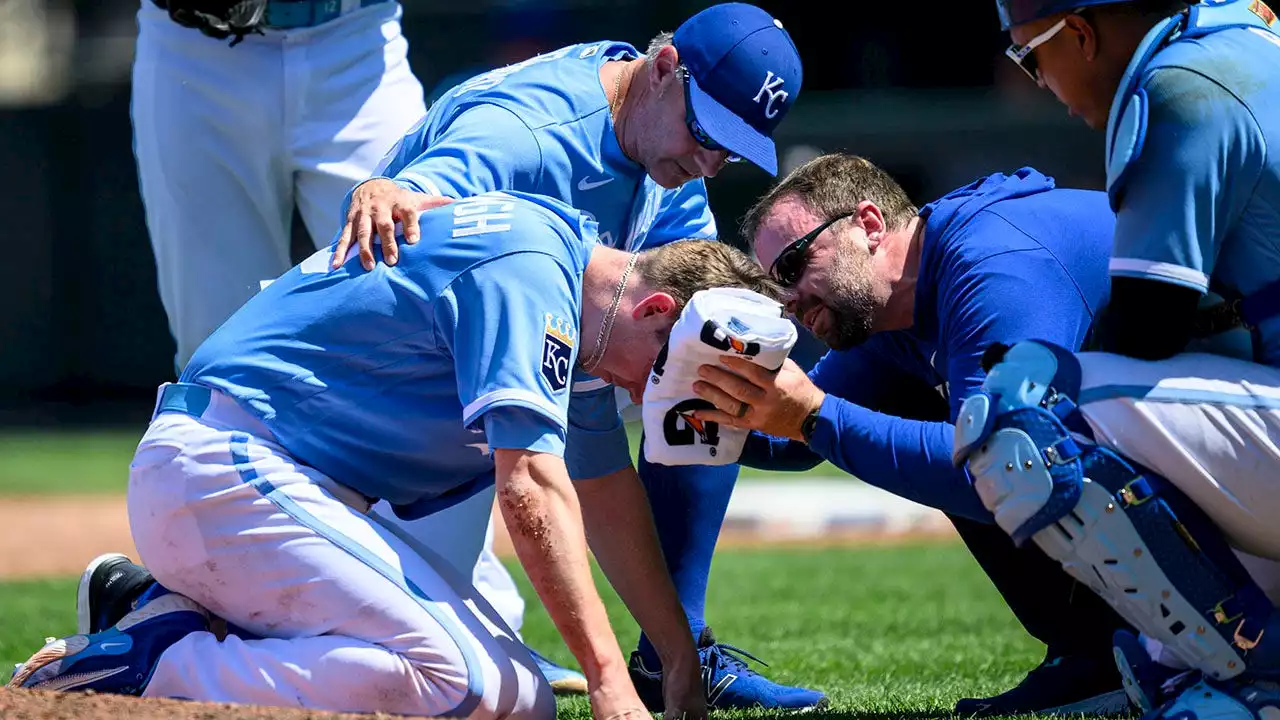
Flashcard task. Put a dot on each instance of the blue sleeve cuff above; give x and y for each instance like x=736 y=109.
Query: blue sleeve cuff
x=1172 y=273
x=511 y=427
x=416 y=183
x=825 y=431
x=597 y=443
x=595 y=453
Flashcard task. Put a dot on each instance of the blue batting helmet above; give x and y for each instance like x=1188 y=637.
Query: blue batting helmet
x=1016 y=12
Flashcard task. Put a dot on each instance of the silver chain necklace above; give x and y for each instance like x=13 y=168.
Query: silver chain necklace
x=606 y=327
x=617 y=92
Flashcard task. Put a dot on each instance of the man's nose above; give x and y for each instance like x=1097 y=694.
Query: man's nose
x=710 y=162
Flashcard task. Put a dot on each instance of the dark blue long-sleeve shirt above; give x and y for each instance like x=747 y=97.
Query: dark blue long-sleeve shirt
x=1006 y=258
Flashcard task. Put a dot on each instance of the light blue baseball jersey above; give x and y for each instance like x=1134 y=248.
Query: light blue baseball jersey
x=544 y=126
x=397 y=382
x=1200 y=205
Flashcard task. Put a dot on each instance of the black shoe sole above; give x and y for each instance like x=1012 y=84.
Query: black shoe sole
x=1114 y=703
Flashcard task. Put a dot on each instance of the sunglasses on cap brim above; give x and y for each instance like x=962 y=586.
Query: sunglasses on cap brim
x=695 y=128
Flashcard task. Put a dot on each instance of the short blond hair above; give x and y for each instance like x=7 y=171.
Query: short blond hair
x=685 y=267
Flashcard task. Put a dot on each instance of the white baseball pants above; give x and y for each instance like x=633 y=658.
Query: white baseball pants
x=1210 y=425
x=351 y=617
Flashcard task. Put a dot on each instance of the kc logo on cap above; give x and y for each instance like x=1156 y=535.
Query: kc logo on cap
x=773 y=88
x=744 y=75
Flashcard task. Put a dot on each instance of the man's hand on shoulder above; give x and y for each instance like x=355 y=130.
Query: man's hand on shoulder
x=377 y=205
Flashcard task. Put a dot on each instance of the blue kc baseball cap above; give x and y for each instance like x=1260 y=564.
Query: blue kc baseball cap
x=744 y=75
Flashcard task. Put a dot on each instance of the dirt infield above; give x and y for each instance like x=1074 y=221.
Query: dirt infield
x=24 y=705
x=91 y=525
x=87 y=526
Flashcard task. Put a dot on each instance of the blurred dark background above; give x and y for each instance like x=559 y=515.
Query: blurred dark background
x=924 y=93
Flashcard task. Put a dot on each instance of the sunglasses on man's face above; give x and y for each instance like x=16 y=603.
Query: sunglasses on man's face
x=695 y=128
x=1024 y=55
x=790 y=264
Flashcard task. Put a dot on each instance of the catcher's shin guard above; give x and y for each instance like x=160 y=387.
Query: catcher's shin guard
x=1127 y=533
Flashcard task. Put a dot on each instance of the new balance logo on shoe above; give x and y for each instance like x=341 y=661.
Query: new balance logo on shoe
x=715 y=689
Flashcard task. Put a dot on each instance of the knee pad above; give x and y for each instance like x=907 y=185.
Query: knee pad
x=1027 y=470
x=1123 y=531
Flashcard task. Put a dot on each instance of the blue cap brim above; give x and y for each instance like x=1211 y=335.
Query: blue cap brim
x=732 y=131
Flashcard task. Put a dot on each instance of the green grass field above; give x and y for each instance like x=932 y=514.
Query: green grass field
x=97 y=461
x=896 y=632
x=887 y=632
x=37 y=463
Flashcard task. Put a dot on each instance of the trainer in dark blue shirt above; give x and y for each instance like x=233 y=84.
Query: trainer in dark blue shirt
x=908 y=300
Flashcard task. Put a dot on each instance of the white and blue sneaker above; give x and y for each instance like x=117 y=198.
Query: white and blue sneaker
x=118 y=660
x=562 y=680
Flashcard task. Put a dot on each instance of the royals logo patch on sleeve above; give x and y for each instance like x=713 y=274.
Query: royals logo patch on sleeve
x=557 y=352
x=1259 y=8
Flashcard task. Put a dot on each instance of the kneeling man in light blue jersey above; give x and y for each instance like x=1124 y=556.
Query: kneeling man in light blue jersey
x=419 y=384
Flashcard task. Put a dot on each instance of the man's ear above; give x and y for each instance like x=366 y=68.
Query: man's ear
x=1086 y=35
x=872 y=222
x=664 y=65
x=658 y=303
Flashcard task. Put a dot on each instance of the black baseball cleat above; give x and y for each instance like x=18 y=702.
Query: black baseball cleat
x=108 y=588
x=1064 y=685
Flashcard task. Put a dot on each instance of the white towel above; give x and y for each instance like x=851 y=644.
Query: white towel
x=715 y=322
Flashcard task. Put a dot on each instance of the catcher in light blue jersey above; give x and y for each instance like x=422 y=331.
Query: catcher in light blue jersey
x=1151 y=467
x=627 y=137
x=419 y=385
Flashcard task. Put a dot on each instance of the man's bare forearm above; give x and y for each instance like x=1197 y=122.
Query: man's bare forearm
x=619 y=525
x=544 y=521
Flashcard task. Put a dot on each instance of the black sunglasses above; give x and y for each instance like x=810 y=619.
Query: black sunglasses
x=695 y=128
x=789 y=266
